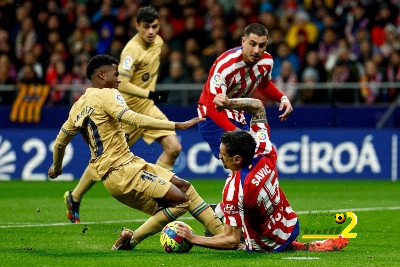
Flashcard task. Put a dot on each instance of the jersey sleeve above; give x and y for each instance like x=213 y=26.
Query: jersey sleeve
x=261 y=134
x=114 y=104
x=126 y=70
x=268 y=89
x=217 y=85
x=64 y=137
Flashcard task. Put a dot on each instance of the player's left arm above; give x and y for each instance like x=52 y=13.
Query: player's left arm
x=228 y=240
x=64 y=137
x=251 y=105
x=269 y=90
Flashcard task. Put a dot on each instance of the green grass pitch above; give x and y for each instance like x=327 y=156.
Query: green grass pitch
x=34 y=230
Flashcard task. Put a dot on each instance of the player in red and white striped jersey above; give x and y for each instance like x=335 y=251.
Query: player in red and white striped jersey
x=253 y=203
x=237 y=73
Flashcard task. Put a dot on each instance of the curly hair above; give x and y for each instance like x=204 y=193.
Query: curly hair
x=239 y=143
x=99 y=61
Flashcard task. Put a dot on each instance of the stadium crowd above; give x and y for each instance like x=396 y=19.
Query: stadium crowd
x=312 y=41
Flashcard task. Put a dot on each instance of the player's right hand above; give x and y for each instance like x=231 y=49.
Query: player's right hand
x=187 y=124
x=52 y=173
x=221 y=102
x=159 y=97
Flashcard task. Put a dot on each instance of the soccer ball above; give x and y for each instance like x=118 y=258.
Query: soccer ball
x=170 y=240
x=340 y=218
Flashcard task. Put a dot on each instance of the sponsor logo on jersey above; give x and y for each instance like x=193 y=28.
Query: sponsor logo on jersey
x=127 y=63
x=262 y=135
x=230 y=209
x=146 y=77
x=120 y=99
x=216 y=80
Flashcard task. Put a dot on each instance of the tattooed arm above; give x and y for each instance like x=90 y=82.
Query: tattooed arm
x=251 y=105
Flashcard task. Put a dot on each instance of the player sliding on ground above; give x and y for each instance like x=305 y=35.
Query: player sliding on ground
x=97 y=115
x=253 y=203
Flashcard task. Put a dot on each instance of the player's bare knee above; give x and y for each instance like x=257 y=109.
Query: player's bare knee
x=183 y=185
x=174 y=151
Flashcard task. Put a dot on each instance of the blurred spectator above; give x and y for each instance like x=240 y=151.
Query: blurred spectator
x=4 y=42
x=57 y=77
x=199 y=75
x=309 y=94
x=340 y=93
x=105 y=38
x=167 y=33
x=287 y=81
x=276 y=36
x=6 y=97
x=7 y=64
x=236 y=29
x=370 y=84
x=355 y=46
x=213 y=51
x=283 y=53
x=267 y=16
x=28 y=75
x=106 y=13
x=356 y=20
x=176 y=73
x=116 y=47
x=245 y=9
x=25 y=39
x=191 y=30
x=392 y=41
x=30 y=59
x=382 y=18
x=79 y=80
x=174 y=56
x=343 y=52
x=301 y=31
x=75 y=42
x=313 y=63
x=392 y=74
x=41 y=26
x=328 y=44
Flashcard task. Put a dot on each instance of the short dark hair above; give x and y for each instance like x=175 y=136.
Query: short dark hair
x=257 y=29
x=99 y=61
x=239 y=143
x=147 y=14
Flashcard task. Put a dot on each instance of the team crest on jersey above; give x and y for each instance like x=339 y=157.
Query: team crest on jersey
x=120 y=99
x=216 y=80
x=146 y=77
x=262 y=135
x=127 y=63
x=258 y=79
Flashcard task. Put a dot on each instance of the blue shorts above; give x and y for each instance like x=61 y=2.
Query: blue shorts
x=212 y=133
x=293 y=236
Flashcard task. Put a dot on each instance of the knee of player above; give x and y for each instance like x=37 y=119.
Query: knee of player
x=175 y=150
x=182 y=184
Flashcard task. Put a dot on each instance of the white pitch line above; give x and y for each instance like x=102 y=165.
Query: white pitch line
x=30 y=224
x=301 y=258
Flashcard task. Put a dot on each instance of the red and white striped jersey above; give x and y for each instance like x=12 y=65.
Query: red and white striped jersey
x=231 y=76
x=253 y=199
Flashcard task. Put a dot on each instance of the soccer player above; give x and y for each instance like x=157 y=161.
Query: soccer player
x=97 y=115
x=238 y=73
x=253 y=202
x=140 y=60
